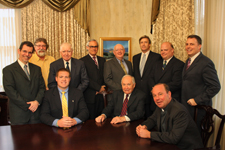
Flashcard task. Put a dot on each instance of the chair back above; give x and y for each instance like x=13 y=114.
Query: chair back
x=207 y=124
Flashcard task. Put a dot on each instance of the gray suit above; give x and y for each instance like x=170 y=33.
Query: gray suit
x=21 y=90
x=180 y=127
x=113 y=73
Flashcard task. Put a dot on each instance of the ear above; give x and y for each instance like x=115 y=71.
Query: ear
x=56 y=79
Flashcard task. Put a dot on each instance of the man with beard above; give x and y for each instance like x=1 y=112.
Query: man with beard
x=41 y=59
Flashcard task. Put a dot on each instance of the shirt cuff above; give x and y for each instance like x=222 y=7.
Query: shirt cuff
x=55 y=123
x=127 y=118
x=78 y=120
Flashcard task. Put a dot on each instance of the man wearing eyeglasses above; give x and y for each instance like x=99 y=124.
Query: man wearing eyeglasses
x=94 y=65
x=79 y=78
x=41 y=58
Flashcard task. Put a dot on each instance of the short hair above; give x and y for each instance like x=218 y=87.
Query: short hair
x=165 y=86
x=91 y=41
x=27 y=43
x=62 y=69
x=145 y=36
x=65 y=43
x=41 y=40
x=127 y=75
x=199 y=40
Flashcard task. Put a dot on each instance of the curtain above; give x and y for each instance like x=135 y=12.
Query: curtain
x=38 y=20
x=174 y=23
x=10 y=37
x=214 y=36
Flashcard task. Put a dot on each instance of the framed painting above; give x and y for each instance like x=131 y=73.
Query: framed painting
x=107 y=44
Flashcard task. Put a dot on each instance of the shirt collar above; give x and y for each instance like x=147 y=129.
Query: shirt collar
x=22 y=64
x=66 y=90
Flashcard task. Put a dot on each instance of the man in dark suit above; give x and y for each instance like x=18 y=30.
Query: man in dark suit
x=142 y=66
x=168 y=70
x=79 y=78
x=126 y=105
x=63 y=106
x=173 y=121
x=94 y=66
x=24 y=85
x=116 y=68
x=200 y=82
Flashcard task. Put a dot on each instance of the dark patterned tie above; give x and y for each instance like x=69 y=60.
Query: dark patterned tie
x=26 y=71
x=67 y=66
x=124 y=108
x=164 y=65
x=188 y=64
x=163 y=124
x=94 y=58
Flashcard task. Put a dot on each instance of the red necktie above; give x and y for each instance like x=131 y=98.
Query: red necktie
x=94 y=58
x=124 y=108
x=189 y=63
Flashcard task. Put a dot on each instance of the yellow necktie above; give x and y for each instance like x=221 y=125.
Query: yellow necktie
x=123 y=67
x=64 y=105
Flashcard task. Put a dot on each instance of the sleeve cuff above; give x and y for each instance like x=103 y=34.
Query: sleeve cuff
x=127 y=118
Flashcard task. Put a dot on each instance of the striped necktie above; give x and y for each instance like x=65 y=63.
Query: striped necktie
x=26 y=71
x=123 y=67
x=124 y=108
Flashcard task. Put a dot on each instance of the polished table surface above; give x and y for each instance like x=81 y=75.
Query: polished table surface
x=87 y=136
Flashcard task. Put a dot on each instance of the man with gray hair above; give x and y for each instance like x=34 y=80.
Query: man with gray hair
x=79 y=78
x=41 y=58
x=94 y=65
x=126 y=104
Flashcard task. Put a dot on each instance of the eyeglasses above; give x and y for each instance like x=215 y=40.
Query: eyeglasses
x=93 y=46
x=41 y=46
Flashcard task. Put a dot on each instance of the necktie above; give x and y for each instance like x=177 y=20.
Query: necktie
x=142 y=64
x=188 y=64
x=163 y=124
x=26 y=71
x=164 y=65
x=94 y=58
x=64 y=105
x=124 y=108
x=67 y=66
x=123 y=67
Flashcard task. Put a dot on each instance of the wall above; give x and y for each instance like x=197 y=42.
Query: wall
x=121 y=18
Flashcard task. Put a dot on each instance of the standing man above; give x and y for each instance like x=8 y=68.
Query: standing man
x=63 y=106
x=94 y=66
x=142 y=65
x=116 y=68
x=41 y=58
x=79 y=78
x=24 y=85
x=126 y=105
x=168 y=70
x=173 y=121
x=200 y=82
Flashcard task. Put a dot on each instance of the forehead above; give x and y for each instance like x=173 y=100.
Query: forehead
x=63 y=73
x=127 y=80
x=144 y=39
x=158 y=88
x=27 y=48
x=93 y=43
x=66 y=47
x=165 y=46
x=41 y=42
x=119 y=47
x=192 y=40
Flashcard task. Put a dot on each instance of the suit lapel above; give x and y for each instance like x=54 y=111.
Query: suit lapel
x=118 y=65
x=20 y=70
x=148 y=62
x=70 y=102
x=73 y=67
x=56 y=99
x=120 y=98
x=92 y=62
x=132 y=98
x=168 y=67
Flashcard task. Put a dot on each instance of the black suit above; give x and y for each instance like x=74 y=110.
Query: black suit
x=21 y=90
x=180 y=127
x=135 y=107
x=79 y=78
x=52 y=107
x=142 y=82
x=171 y=75
x=199 y=81
x=95 y=103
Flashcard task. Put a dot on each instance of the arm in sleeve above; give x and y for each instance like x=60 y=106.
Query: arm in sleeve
x=84 y=78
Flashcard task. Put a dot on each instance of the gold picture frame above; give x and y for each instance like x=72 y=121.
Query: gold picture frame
x=107 y=44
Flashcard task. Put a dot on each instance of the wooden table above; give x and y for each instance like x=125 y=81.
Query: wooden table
x=87 y=136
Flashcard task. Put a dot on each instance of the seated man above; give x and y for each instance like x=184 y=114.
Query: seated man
x=174 y=123
x=63 y=106
x=126 y=104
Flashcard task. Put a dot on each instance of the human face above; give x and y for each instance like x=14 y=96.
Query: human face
x=25 y=53
x=127 y=85
x=66 y=52
x=40 y=48
x=63 y=80
x=192 y=47
x=166 y=51
x=92 y=48
x=144 y=45
x=119 y=51
x=160 y=96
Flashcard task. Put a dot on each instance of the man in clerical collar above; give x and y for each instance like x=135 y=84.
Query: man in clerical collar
x=172 y=120
x=41 y=58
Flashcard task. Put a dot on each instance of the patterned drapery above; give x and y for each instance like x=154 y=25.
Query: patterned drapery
x=60 y=5
x=16 y=3
x=38 y=20
x=174 y=23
